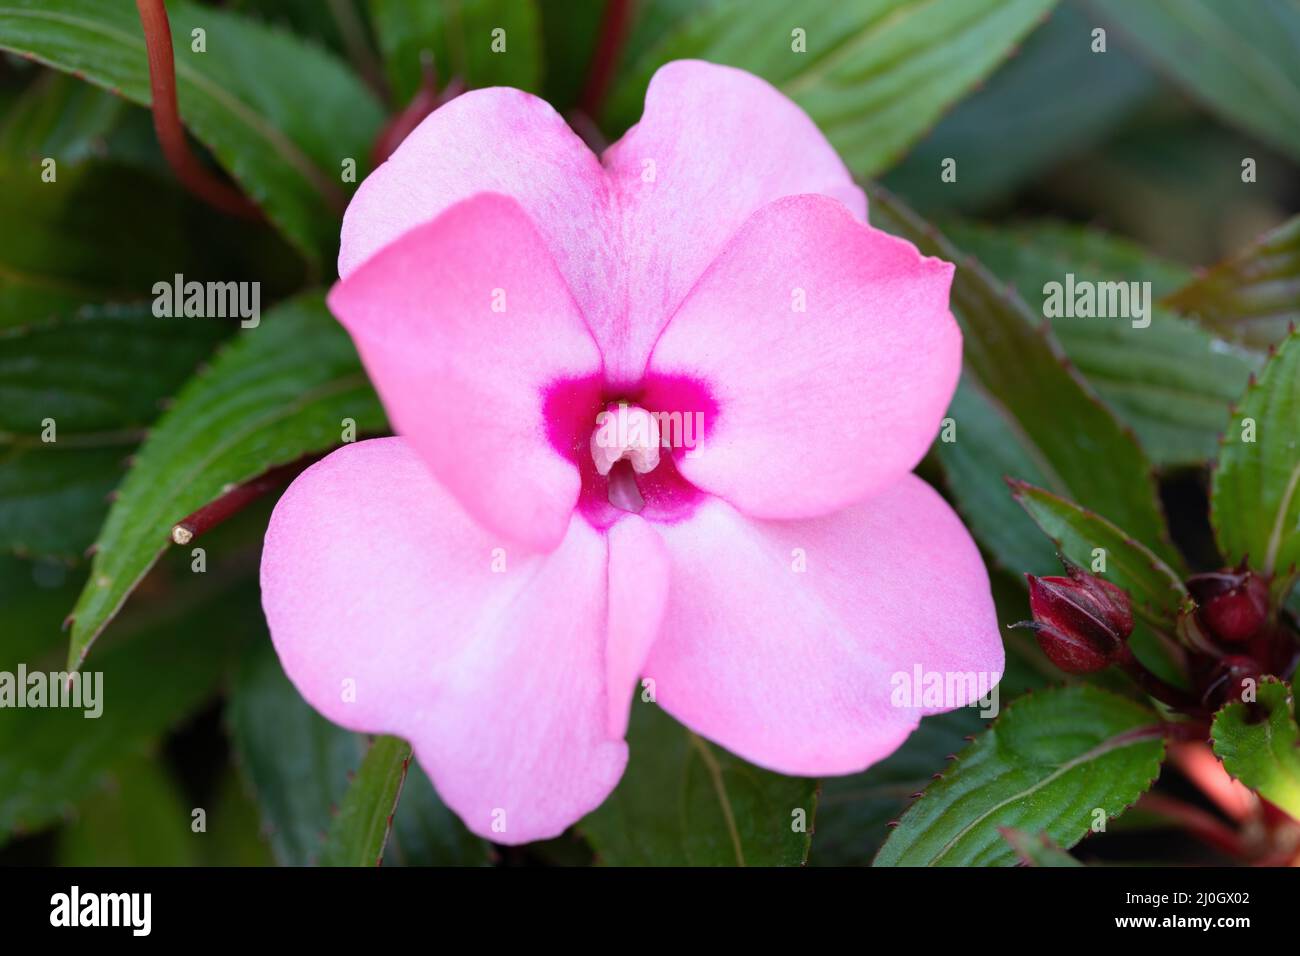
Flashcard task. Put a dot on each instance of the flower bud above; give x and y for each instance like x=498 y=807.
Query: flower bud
x=1231 y=677
x=1233 y=605
x=1082 y=623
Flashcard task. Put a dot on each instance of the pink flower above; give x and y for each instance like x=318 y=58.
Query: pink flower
x=493 y=584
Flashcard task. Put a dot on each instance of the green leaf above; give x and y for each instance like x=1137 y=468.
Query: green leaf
x=459 y=35
x=1155 y=588
x=569 y=35
x=1239 y=59
x=1254 y=297
x=34 y=598
x=60 y=118
x=1049 y=763
x=334 y=24
x=427 y=833
x=876 y=75
x=136 y=819
x=686 y=802
x=100 y=373
x=1021 y=411
x=106 y=232
x=1171 y=381
x=359 y=833
x=83 y=237
x=295 y=760
x=161 y=668
x=280 y=115
x=1255 y=497
x=234 y=836
x=52 y=500
x=853 y=812
x=1054 y=99
x=99 y=377
x=1037 y=849
x=1259 y=744
x=278 y=392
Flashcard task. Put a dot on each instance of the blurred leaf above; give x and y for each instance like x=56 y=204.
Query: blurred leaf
x=1239 y=59
x=59 y=117
x=326 y=22
x=136 y=819
x=652 y=21
x=686 y=802
x=1037 y=849
x=295 y=760
x=359 y=832
x=234 y=835
x=1047 y=765
x=279 y=114
x=1052 y=99
x=1155 y=588
x=100 y=373
x=84 y=238
x=427 y=833
x=1171 y=381
x=1020 y=411
x=53 y=758
x=1255 y=496
x=53 y=499
x=1254 y=296
x=459 y=35
x=34 y=598
x=106 y=233
x=278 y=392
x=569 y=34
x=853 y=812
x=877 y=74
x=1259 y=744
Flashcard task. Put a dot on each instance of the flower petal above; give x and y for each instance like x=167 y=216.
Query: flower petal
x=629 y=245
x=498 y=140
x=638 y=590
x=829 y=351
x=714 y=144
x=797 y=670
x=393 y=612
x=463 y=324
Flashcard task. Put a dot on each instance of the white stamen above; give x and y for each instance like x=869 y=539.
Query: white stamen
x=625 y=432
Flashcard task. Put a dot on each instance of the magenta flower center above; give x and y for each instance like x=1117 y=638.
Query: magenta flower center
x=626 y=444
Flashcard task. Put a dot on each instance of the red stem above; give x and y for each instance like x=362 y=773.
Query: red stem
x=1178 y=699
x=1205 y=826
x=1199 y=765
x=235 y=500
x=167 y=118
x=614 y=25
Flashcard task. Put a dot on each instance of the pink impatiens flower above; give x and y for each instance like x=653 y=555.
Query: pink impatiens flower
x=494 y=584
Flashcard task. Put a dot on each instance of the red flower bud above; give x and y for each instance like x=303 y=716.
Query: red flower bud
x=1229 y=680
x=1233 y=604
x=1082 y=623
